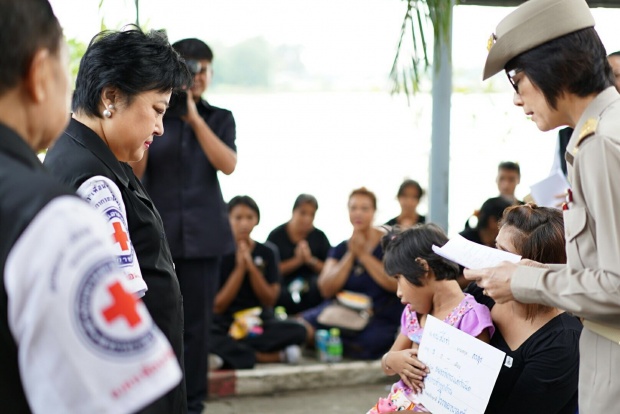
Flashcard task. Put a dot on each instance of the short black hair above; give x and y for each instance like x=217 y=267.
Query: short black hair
x=617 y=53
x=27 y=25
x=410 y=183
x=244 y=200
x=510 y=166
x=131 y=61
x=403 y=248
x=306 y=199
x=193 y=49
x=575 y=63
x=492 y=207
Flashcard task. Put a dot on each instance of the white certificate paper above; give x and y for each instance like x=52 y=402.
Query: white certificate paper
x=473 y=255
x=545 y=192
x=463 y=369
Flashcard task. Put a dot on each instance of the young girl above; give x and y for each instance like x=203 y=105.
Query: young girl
x=427 y=286
x=250 y=281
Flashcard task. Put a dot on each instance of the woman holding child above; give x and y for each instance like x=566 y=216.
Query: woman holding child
x=541 y=342
x=540 y=372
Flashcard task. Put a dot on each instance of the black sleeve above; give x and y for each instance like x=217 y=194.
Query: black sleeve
x=322 y=246
x=271 y=272
x=476 y=291
x=277 y=238
x=275 y=251
x=273 y=236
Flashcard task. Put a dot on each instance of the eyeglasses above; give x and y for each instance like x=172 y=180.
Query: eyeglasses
x=511 y=74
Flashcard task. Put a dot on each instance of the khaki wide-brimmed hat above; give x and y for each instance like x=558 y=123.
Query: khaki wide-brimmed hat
x=533 y=23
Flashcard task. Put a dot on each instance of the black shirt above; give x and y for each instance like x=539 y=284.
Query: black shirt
x=394 y=221
x=80 y=154
x=544 y=371
x=317 y=241
x=185 y=188
x=544 y=374
x=264 y=259
x=471 y=234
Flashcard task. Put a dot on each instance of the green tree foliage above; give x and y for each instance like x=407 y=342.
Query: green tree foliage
x=76 y=51
x=413 y=57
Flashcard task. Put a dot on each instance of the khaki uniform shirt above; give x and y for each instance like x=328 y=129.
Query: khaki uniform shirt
x=589 y=285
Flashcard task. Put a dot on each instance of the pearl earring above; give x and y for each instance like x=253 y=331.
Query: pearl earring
x=107 y=112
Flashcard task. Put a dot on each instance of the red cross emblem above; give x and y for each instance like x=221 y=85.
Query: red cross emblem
x=120 y=236
x=124 y=306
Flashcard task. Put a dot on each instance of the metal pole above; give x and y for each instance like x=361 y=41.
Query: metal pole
x=439 y=180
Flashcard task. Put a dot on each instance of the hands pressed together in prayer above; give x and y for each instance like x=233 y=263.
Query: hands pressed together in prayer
x=243 y=256
x=358 y=244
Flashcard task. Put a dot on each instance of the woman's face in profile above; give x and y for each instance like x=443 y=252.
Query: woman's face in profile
x=130 y=130
x=303 y=217
x=535 y=105
x=505 y=239
x=361 y=211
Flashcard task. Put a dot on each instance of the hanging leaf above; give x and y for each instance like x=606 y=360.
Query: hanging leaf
x=407 y=73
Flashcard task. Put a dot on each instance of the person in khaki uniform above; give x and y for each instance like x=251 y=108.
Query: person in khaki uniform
x=559 y=70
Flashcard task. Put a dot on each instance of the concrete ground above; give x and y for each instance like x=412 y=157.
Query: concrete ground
x=341 y=400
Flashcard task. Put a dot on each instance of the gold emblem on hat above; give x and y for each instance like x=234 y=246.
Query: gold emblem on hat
x=491 y=41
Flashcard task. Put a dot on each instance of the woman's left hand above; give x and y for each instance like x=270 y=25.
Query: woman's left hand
x=494 y=280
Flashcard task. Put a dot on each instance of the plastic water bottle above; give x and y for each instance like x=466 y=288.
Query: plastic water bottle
x=321 y=337
x=334 y=346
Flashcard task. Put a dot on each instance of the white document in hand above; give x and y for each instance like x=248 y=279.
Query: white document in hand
x=463 y=369
x=545 y=192
x=473 y=255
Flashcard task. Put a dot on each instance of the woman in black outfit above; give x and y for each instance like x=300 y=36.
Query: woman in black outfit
x=250 y=283
x=303 y=249
x=122 y=91
x=541 y=369
x=409 y=194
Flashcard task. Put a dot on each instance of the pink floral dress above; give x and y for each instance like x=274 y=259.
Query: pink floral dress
x=469 y=316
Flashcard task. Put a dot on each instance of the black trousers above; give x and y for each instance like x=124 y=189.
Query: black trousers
x=199 y=280
x=241 y=354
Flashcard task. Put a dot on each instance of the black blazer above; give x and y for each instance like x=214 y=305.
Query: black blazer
x=80 y=154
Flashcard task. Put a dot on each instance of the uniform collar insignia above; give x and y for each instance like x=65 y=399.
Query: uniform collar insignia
x=587 y=130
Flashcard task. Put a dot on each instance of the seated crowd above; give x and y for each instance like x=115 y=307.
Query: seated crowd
x=393 y=275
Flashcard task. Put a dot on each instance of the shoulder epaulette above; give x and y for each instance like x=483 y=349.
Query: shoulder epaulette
x=587 y=130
